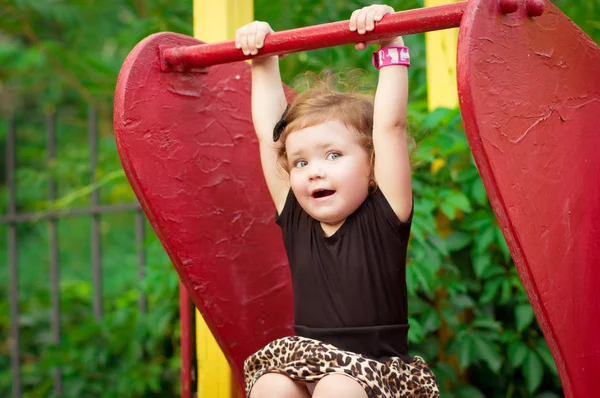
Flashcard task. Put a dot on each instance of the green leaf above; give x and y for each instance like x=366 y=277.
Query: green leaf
x=544 y=353
x=487 y=351
x=490 y=289
x=435 y=117
x=493 y=271
x=417 y=233
x=484 y=238
x=449 y=315
x=466 y=352
x=439 y=244
x=462 y=301
x=448 y=210
x=444 y=371
x=416 y=332
x=460 y=201
x=463 y=175
x=524 y=316
x=457 y=240
x=502 y=243
x=469 y=391
x=433 y=259
x=411 y=279
x=424 y=278
x=507 y=292
x=478 y=192
x=486 y=323
x=481 y=263
x=452 y=201
x=533 y=371
x=423 y=154
x=431 y=320
x=548 y=394
x=517 y=352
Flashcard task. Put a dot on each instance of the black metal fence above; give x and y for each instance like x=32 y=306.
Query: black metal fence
x=95 y=211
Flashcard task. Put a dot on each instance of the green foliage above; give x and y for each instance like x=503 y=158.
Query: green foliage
x=127 y=353
x=470 y=315
x=470 y=318
x=60 y=51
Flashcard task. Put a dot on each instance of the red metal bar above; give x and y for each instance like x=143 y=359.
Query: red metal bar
x=427 y=19
x=185 y=322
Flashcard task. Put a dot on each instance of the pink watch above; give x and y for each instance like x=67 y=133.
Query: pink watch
x=387 y=56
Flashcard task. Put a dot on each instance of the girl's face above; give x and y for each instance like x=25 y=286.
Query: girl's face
x=329 y=171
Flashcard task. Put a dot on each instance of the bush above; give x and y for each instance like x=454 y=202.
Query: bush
x=470 y=316
x=128 y=353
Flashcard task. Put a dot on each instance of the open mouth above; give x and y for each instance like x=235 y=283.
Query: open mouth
x=322 y=193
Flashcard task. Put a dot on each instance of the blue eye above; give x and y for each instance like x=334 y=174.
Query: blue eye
x=333 y=155
x=300 y=163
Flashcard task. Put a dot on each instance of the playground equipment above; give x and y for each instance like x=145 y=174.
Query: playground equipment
x=529 y=90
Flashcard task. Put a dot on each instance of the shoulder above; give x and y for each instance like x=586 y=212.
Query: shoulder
x=292 y=214
x=377 y=209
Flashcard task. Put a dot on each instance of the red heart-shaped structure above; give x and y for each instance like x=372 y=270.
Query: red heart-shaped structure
x=188 y=148
x=529 y=92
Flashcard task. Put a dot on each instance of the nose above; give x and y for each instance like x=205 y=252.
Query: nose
x=315 y=172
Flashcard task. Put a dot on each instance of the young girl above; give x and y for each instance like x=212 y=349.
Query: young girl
x=337 y=168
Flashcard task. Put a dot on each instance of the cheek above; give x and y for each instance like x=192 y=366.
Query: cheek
x=361 y=170
x=296 y=180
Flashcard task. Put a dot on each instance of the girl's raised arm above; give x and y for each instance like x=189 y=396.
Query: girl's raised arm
x=268 y=104
x=392 y=163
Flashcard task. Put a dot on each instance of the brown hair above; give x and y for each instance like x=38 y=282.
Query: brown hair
x=323 y=103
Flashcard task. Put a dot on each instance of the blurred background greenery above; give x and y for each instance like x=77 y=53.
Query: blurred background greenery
x=470 y=317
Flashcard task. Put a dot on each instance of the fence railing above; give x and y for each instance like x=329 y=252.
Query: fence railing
x=12 y=219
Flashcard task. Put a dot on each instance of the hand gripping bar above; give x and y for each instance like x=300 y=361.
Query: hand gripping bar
x=419 y=20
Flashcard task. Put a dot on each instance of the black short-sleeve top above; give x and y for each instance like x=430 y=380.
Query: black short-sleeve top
x=350 y=288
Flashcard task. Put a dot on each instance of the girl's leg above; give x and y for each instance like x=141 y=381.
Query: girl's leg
x=274 y=385
x=338 y=386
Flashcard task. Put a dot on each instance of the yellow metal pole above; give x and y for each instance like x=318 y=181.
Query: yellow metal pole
x=441 y=64
x=216 y=20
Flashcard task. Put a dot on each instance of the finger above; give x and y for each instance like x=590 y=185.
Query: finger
x=360 y=46
x=244 y=43
x=370 y=18
x=361 y=21
x=388 y=10
x=265 y=26
x=378 y=16
x=382 y=11
x=252 y=43
x=237 y=39
x=353 y=20
x=262 y=33
x=259 y=41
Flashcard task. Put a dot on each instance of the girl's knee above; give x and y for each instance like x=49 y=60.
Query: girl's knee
x=339 y=386
x=273 y=385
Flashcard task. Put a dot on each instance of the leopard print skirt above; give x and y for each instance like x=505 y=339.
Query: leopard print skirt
x=306 y=360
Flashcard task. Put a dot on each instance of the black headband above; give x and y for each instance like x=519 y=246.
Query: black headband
x=281 y=124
